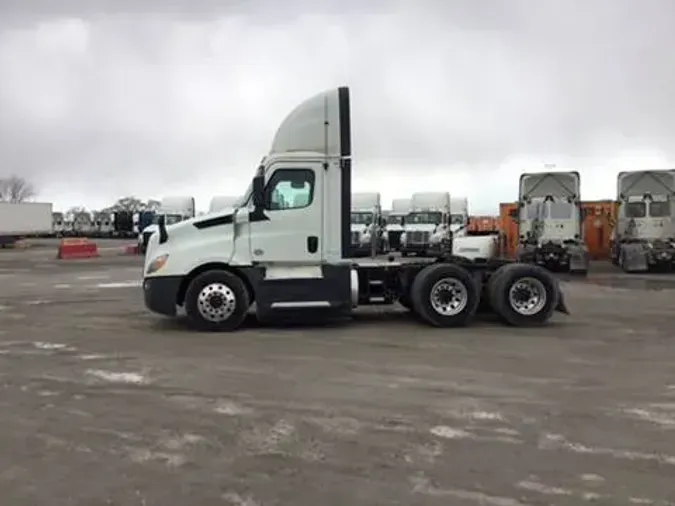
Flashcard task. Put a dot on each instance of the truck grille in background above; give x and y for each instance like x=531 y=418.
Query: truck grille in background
x=417 y=237
x=355 y=237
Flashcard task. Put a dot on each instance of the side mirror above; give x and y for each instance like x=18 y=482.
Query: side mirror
x=258 y=192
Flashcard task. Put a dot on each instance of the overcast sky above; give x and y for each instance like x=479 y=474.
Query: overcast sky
x=105 y=98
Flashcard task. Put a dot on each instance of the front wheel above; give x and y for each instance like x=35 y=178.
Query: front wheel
x=445 y=295
x=523 y=295
x=217 y=301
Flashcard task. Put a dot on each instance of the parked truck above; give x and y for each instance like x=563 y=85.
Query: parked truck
x=367 y=225
x=171 y=210
x=297 y=258
x=643 y=238
x=395 y=220
x=123 y=224
x=550 y=222
x=429 y=213
x=58 y=224
x=104 y=224
x=24 y=219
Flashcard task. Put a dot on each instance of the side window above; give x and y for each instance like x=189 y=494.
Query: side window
x=289 y=189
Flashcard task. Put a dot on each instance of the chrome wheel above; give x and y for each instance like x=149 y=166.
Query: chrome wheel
x=449 y=297
x=216 y=302
x=527 y=296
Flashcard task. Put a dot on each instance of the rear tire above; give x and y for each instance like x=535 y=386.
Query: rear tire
x=523 y=295
x=445 y=295
x=216 y=301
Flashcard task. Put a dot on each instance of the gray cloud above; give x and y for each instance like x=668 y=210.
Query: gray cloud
x=110 y=97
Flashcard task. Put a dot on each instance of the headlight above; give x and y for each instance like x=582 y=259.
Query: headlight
x=157 y=264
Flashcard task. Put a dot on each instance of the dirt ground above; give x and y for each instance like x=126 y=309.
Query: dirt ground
x=104 y=403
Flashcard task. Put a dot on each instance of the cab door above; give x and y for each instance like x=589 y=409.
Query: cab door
x=289 y=230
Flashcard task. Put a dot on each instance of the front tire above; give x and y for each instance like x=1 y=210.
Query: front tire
x=216 y=301
x=523 y=295
x=445 y=295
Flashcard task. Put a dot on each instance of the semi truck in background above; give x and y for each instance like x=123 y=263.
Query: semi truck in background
x=429 y=213
x=459 y=214
x=366 y=224
x=643 y=238
x=123 y=224
x=104 y=224
x=220 y=202
x=24 y=219
x=395 y=221
x=550 y=220
x=171 y=210
x=58 y=223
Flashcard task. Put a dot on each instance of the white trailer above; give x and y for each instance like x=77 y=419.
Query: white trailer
x=429 y=214
x=288 y=248
x=24 y=219
x=220 y=202
x=395 y=222
x=644 y=235
x=550 y=220
x=366 y=225
x=171 y=210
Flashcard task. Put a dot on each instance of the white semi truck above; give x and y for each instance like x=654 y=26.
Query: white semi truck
x=366 y=225
x=644 y=235
x=24 y=219
x=288 y=248
x=172 y=210
x=395 y=221
x=550 y=220
x=429 y=214
x=220 y=202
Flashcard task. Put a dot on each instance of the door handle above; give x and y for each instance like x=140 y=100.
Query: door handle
x=312 y=243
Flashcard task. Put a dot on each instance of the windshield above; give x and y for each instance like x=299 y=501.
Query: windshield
x=534 y=211
x=457 y=219
x=394 y=219
x=362 y=218
x=170 y=219
x=425 y=218
x=635 y=209
x=659 y=209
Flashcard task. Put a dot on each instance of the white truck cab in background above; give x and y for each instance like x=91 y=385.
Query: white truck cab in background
x=288 y=248
x=429 y=213
x=172 y=210
x=366 y=222
x=550 y=222
x=459 y=214
x=395 y=221
x=644 y=236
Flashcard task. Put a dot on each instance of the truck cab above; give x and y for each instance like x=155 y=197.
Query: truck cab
x=366 y=224
x=550 y=222
x=171 y=210
x=288 y=247
x=644 y=235
x=103 y=224
x=429 y=214
x=395 y=222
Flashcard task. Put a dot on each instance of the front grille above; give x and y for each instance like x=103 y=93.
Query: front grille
x=418 y=237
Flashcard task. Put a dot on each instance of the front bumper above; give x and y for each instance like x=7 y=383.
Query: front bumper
x=161 y=294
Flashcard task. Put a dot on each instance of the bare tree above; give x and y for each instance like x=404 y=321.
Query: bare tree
x=16 y=189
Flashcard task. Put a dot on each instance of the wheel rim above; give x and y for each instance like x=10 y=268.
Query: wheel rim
x=216 y=302
x=449 y=297
x=527 y=296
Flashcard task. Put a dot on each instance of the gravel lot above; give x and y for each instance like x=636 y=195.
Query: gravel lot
x=104 y=403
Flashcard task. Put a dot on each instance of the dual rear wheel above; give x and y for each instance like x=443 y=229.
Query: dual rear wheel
x=447 y=295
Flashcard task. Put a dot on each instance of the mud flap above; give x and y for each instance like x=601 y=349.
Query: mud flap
x=579 y=259
x=561 y=307
x=634 y=258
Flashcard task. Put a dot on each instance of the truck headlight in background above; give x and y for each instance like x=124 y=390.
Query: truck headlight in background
x=157 y=264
